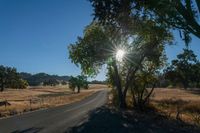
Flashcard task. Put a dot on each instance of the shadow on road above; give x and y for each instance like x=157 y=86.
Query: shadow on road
x=106 y=120
x=29 y=130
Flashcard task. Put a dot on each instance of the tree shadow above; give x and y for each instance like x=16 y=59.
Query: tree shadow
x=28 y=130
x=107 y=120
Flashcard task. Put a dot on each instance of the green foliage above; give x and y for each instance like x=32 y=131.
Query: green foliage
x=9 y=78
x=19 y=84
x=72 y=83
x=63 y=83
x=51 y=82
x=185 y=70
x=78 y=82
x=90 y=52
x=144 y=78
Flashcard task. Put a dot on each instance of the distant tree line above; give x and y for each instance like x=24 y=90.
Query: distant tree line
x=97 y=82
x=10 y=78
x=44 y=79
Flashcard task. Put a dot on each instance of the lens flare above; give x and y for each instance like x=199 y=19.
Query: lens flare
x=119 y=55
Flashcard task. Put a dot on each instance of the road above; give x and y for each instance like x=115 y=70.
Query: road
x=53 y=120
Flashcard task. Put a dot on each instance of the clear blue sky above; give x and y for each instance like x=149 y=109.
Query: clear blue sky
x=34 y=35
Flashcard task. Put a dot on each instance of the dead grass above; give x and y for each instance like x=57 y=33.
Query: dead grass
x=41 y=97
x=165 y=93
x=97 y=86
x=178 y=103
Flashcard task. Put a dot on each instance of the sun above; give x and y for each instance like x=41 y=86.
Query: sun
x=119 y=55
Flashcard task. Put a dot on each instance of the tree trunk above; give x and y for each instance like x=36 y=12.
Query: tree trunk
x=133 y=96
x=185 y=85
x=78 y=89
x=122 y=99
x=2 y=87
x=150 y=93
x=123 y=104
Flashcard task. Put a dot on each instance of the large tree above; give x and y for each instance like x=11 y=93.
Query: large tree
x=100 y=43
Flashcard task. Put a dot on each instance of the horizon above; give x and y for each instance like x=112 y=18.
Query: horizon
x=35 y=34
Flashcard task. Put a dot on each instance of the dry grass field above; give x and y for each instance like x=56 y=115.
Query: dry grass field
x=175 y=93
x=180 y=104
x=35 y=98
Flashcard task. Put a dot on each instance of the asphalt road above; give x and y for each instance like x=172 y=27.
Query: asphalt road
x=53 y=120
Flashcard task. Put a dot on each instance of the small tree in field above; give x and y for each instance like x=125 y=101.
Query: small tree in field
x=78 y=82
x=51 y=82
x=63 y=83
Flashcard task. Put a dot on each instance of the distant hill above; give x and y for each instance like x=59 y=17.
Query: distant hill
x=37 y=79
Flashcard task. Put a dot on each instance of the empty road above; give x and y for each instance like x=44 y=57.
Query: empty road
x=53 y=120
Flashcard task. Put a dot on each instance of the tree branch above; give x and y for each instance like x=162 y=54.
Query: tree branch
x=198 y=5
x=188 y=17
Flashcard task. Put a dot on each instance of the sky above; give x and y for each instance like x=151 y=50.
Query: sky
x=34 y=35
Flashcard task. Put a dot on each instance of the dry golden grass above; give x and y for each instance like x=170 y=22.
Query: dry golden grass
x=26 y=94
x=164 y=93
x=178 y=103
x=97 y=86
x=41 y=97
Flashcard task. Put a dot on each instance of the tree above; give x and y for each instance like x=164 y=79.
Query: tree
x=183 y=69
x=9 y=78
x=99 y=44
x=180 y=14
x=51 y=82
x=80 y=82
x=63 y=82
x=72 y=83
x=3 y=77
